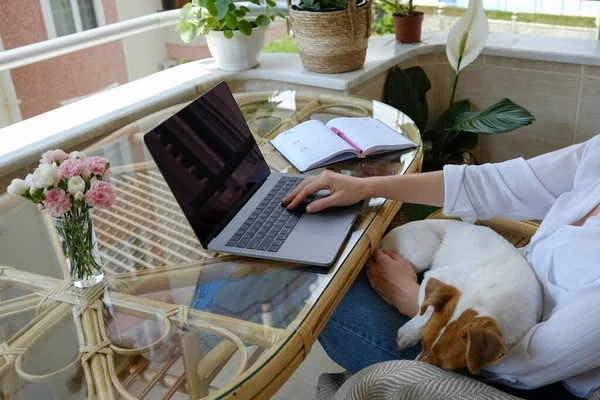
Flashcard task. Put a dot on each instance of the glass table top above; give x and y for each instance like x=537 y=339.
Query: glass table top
x=171 y=320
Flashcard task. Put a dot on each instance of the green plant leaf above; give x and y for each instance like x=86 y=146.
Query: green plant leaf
x=440 y=136
x=239 y=14
x=406 y=91
x=427 y=145
x=245 y=9
x=187 y=32
x=212 y=23
x=231 y=22
x=271 y=3
x=272 y=17
x=263 y=21
x=245 y=27
x=217 y=8
x=185 y=10
x=206 y=30
x=196 y=3
x=228 y=34
x=504 y=116
x=231 y=8
x=342 y=4
x=397 y=8
x=257 y=2
x=463 y=141
x=443 y=132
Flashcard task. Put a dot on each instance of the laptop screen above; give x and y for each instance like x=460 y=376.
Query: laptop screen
x=209 y=159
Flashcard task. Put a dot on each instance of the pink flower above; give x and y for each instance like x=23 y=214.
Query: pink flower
x=57 y=202
x=71 y=168
x=100 y=195
x=96 y=166
x=51 y=156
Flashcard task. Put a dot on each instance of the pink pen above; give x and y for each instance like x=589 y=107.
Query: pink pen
x=340 y=134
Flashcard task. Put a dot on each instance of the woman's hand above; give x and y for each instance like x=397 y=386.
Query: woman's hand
x=394 y=278
x=344 y=191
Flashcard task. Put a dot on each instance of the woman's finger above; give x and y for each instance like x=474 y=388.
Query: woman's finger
x=323 y=203
x=394 y=255
x=306 y=191
x=291 y=195
x=380 y=256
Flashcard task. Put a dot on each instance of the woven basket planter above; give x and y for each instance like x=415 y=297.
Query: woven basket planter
x=331 y=42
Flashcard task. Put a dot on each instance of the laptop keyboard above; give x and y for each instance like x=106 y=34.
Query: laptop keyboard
x=270 y=224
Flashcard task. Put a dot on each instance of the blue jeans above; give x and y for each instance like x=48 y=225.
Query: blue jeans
x=362 y=331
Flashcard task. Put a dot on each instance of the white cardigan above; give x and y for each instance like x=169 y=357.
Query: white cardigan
x=558 y=188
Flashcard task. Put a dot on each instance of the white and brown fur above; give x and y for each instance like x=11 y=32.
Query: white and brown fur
x=478 y=298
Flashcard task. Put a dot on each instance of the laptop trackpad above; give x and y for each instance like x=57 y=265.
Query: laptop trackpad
x=331 y=222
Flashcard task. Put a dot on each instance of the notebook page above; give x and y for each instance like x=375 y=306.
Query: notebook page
x=367 y=133
x=309 y=143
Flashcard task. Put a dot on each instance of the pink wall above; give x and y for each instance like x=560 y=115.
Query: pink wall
x=41 y=86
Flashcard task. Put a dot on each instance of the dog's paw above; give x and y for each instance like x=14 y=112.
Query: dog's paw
x=407 y=337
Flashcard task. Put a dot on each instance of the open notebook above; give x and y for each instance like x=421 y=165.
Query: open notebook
x=313 y=144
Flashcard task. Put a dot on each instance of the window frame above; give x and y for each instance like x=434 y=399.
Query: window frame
x=49 y=18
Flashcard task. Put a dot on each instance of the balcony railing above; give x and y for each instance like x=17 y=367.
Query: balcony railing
x=33 y=53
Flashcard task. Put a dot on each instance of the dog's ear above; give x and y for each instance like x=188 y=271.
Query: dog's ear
x=484 y=346
x=437 y=294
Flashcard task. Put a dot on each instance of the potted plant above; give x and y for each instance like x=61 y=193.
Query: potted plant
x=407 y=21
x=234 y=39
x=331 y=35
x=456 y=132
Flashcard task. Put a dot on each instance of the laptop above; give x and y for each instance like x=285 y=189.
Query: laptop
x=231 y=199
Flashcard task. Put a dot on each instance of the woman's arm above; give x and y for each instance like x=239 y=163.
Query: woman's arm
x=517 y=189
x=425 y=188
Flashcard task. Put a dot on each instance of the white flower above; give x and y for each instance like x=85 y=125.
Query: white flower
x=468 y=36
x=29 y=180
x=74 y=155
x=43 y=176
x=18 y=187
x=75 y=185
x=78 y=196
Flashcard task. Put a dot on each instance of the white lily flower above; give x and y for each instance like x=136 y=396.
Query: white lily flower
x=468 y=36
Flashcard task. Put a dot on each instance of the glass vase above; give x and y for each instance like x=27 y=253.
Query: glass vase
x=80 y=247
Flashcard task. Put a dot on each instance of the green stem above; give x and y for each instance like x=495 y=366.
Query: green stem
x=455 y=81
x=76 y=232
x=454 y=89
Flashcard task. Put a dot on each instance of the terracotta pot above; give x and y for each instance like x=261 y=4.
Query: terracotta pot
x=408 y=29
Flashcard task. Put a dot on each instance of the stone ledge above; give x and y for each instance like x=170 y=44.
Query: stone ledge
x=95 y=116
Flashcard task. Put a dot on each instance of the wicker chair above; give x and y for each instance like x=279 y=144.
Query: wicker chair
x=516 y=232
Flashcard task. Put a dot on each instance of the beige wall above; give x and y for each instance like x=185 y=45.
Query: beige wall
x=564 y=98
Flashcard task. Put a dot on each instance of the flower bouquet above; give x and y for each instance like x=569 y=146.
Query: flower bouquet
x=67 y=187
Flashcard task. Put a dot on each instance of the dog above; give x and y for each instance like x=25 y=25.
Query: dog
x=478 y=298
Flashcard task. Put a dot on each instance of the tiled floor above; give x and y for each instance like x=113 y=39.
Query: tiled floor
x=303 y=384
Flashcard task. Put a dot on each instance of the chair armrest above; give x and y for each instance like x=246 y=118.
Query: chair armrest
x=516 y=232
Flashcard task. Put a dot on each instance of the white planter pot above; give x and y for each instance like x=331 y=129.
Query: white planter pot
x=238 y=53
